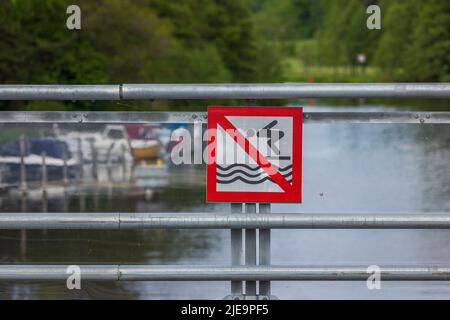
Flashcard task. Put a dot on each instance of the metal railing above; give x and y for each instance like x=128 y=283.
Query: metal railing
x=222 y=273
x=138 y=220
x=224 y=91
x=241 y=217
x=202 y=117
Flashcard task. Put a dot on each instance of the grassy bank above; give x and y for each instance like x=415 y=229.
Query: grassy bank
x=296 y=70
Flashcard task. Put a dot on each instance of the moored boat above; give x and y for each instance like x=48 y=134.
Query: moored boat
x=143 y=142
x=57 y=157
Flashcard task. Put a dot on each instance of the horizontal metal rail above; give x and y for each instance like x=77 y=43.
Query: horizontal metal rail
x=60 y=92
x=117 y=221
x=202 y=117
x=224 y=91
x=222 y=273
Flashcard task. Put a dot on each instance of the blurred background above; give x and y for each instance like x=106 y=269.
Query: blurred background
x=192 y=41
x=102 y=168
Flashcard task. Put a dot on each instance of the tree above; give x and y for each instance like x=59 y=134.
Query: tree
x=415 y=44
x=226 y=27
x=396 y=32
x=428 y=55
x=37 y=48
x=332 y=47
x=309 y=16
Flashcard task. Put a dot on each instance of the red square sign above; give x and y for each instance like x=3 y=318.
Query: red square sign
x=254 y=154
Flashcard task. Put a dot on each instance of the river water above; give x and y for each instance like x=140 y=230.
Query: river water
x=351 y=168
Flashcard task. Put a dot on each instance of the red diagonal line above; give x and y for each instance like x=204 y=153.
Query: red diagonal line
x=262 y=161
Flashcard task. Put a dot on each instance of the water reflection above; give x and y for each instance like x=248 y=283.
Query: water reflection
x=103 y=247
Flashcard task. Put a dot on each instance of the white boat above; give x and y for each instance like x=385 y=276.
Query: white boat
x=112 y=145
x=109 y=146
x=11 y=161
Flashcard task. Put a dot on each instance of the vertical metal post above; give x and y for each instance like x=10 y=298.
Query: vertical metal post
x=237 y=252
x=96 y=196
x=94 y=161
x=65 y=170
x=2 y=170
x=80 y=160
x=23 y=232
x=44 y=209
x=44 y=205
x=23 y=244
x=198 y=141
x=108 y=162
x=124 y=162
x=66 y=202
x=23 y=169
x=44 y=173
x=264 y=250
x=82 y=201
x=250 y=250
x=80 y=170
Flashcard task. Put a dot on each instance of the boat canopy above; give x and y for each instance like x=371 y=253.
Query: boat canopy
x=53 y=148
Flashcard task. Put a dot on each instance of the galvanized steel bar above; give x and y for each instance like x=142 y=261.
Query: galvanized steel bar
x=58 y=272
x=237 y=250
x=100 y=117
x=115 y=221
x=222 y=273
x=285 y=90
x=377 y=117
x=59 y=221
x=60 y=92
x=224 y=91
x=264 y=249
x=281 y=221
x=250 y=249
x=202 y=117
x=280 y=273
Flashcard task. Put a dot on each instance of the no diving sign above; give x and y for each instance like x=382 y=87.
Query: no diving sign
x=254 y=154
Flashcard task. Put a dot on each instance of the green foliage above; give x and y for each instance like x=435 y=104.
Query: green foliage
x=135 y=44
x=428 y=55
x=332 y=48
x=309 y=16
x=155 y=41
x=397 y=24
x=36 y=48
x=344 y=34
x=409 y=28
x=225 y=27
x=126 y=41
x=287 y=19
x=412 y=45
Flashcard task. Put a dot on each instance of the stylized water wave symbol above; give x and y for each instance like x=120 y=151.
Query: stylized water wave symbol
x=245 y=173
x=249 y=181
x=235 y=176
x=254 y=168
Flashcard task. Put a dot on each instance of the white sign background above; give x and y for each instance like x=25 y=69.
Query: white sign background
x=230 y=153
